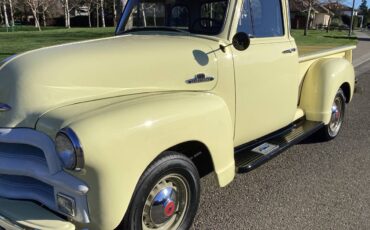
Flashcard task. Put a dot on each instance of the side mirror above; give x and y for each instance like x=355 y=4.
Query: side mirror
x=241 y=41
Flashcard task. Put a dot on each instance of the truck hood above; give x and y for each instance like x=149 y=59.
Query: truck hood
x=38 y=81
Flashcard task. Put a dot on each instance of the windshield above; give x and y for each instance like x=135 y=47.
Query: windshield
x=194 y=16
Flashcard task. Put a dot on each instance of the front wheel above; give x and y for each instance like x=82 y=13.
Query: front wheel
x=331 y=130
x=167 y=195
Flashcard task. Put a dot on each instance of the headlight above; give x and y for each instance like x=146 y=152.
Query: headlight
x=69 y=149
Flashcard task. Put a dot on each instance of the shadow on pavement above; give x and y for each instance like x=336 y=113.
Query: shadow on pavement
x=341 y=37
x=314 y=139
x=364 y=39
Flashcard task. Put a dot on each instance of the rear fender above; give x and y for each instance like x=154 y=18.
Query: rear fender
x=321 y=84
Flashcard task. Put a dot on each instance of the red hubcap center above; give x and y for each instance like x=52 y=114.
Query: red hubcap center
x=169 y=210
x=337 y=115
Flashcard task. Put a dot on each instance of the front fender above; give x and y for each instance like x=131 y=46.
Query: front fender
x=122 y=139
x=321 y=84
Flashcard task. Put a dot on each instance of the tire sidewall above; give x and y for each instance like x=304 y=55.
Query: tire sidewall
x=170 y=163
x=339 y=94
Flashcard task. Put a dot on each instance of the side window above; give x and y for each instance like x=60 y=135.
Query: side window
x=260 y=18
x=214 y=10
x=180 y=16
x=146 y=15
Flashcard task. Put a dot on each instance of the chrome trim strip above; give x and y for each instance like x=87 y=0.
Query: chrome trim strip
x=4 y=107
x=10 y=225
x=80 y=161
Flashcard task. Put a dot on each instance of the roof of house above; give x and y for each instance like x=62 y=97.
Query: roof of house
x=302 y=6
x=337 y=6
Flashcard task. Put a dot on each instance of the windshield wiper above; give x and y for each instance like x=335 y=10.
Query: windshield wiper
x=162 y=28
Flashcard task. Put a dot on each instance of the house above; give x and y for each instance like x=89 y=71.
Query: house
x=340 y=9
x=320 y=15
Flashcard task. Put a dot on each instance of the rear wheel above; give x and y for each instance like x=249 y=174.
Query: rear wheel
x=331 y=130
x=167 y=195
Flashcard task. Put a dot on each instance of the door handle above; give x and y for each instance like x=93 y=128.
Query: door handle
x=289 y=51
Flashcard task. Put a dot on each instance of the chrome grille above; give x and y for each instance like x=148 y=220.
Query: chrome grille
x=22 y=151
x=27 y=188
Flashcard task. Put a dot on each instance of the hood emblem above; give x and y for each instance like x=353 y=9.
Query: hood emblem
x=199 y=78
x=4 y=107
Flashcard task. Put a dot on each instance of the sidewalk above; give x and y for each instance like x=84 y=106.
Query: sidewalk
x=362 y=53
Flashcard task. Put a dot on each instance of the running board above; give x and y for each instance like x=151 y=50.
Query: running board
x=252 y=156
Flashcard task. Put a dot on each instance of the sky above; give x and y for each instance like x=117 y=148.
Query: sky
x=357 y=3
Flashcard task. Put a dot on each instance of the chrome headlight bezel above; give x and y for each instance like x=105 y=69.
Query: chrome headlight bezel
x=73 y=158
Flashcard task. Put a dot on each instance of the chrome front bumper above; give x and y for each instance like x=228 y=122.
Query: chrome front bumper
x=31 y=170
x=25 y=215
x=7 y=224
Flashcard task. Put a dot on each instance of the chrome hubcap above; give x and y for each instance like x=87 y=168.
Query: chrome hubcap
x=166 y=204
x=336 y=117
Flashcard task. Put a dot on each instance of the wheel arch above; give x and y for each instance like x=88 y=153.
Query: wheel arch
x=347 y=91
x=198 y=153
x=121 y=140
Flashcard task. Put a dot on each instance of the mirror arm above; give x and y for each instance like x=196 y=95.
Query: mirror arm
x=223 y=47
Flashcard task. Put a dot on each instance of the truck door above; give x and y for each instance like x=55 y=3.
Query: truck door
x=265 y=73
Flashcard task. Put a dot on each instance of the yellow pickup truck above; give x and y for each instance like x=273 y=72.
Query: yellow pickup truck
x=115 y=133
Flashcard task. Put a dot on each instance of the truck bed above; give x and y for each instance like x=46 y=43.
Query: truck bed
x=306 y=60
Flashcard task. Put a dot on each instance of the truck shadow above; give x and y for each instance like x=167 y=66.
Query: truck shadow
x=314 y=139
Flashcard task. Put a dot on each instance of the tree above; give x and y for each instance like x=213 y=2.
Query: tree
x=102 y=12
x=364 y=11
x=68 y=6
x=1 y=15
x=89 y=5
x=67 y=16
x=5 y=14
x=45 y=4
x=97 y=12
x=11 y=12
x=123 y=4
x=310 y=5
x=352 y=16
x=34 y=5
x=114 y=13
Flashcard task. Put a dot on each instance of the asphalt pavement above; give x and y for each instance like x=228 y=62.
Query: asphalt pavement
x=313 y=185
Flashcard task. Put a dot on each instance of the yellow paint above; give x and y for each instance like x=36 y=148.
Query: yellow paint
x=127 y=100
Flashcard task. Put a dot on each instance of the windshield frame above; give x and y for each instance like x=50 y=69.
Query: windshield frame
x=131 y=3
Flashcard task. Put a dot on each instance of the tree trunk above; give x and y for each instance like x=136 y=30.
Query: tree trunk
x=114 y=13
x=308 y=19
x=11 y=12
x=1 y=16
x=37 y=23
x=123 y=2
x=102 y=13
x=143 y=14
x=89 y=18
x=43 y=16
x=69 y=19
x=328 y=26
x=97 y=15
x=352 y=16
x=5 y=15
x=67 y=15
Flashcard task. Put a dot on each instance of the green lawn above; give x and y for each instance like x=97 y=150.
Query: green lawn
x=318 y=40
x=27 y=38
